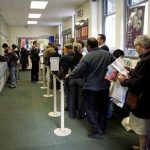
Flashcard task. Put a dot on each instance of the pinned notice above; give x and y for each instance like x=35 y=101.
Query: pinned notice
x=54 y=63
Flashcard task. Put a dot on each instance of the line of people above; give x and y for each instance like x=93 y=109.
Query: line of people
x=91 y=70
x=14 y=57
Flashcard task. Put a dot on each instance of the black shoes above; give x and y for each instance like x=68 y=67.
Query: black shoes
x=81 y=116
x=66 y=109
x=34 y=80
x=12 y=86
x=96 y=135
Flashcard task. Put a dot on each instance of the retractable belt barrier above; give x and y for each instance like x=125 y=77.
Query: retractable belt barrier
x=44 y=79
x=62 y=131
x=40 y=77
x=48 y=83
x=54 y=113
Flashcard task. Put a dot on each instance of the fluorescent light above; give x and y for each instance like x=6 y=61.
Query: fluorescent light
x=34 y=16
x=38 y=4
x=32 y=22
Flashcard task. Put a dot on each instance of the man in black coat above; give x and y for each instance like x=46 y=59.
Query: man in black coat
x=35 y=61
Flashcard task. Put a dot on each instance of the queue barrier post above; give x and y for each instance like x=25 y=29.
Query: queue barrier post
x=40 y=77
x=62 y=131
x=48 y=83
x=55 y=113
x=44 y=79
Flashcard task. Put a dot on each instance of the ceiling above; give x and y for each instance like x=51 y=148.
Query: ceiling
x=15 y=12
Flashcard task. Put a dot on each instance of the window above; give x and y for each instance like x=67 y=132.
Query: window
x=110 y=30
x=110 y=7
x=135 y=2
x=110 y=23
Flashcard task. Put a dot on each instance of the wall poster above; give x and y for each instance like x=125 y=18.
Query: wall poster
x=135 y=25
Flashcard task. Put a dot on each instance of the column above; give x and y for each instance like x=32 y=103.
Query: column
x=93 y=17
x=120 y=23
x=100 y=17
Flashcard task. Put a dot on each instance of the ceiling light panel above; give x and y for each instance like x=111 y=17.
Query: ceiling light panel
x=34 y=16
x=31 y=22
x=38 y=4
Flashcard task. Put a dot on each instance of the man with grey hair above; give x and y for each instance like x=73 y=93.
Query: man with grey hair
x=138 y=84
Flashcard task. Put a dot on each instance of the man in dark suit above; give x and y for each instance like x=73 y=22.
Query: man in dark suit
x=35 y=61
x=101 y=42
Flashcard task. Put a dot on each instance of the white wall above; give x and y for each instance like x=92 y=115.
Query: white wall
x=67 y=24
x=120 y=24
x=3 y=33
x=86 y=12
x=18 y=31
x=93 y=19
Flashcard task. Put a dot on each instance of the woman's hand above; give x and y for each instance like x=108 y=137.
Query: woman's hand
x=67 y=76
x=122 y=78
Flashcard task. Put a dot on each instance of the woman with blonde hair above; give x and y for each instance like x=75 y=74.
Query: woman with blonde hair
x=76 y=86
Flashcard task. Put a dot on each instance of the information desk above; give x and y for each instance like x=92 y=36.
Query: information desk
x=3 y=74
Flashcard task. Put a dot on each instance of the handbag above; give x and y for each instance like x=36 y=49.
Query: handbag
x=132 y=100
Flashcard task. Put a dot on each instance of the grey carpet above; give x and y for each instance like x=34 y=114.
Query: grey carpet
x=25 y=124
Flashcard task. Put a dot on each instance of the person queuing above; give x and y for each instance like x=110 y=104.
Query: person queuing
x=92 y=68
x=34 y=55
x=12 y=64
x=15 y=49
x=24 y=58
x=84 y=49
x=138 y=84
x=101 y=42
x=49 y=51
x=76 y=86
x=65 y=62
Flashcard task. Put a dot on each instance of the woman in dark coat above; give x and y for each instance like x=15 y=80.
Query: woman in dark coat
x=138 y=84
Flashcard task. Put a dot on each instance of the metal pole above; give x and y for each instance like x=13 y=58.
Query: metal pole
x=55 y=113
x=62 y=105
x=48 y=82
x=40 y=78
x=54 y=88
x=44 y=87
x=62 y=131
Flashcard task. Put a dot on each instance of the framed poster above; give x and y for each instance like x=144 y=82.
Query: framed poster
x=84 y=32
x=135 y=25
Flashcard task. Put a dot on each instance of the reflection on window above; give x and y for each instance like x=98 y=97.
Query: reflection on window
x=110 y=31
x=111 y=6
x=134 y=2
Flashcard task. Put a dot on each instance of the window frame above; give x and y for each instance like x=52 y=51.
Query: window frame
x=138 y=3
x=106 y=9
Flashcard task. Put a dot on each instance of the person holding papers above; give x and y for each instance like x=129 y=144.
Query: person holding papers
x=138 y=84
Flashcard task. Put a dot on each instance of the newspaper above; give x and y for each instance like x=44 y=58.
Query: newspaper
x=119 y=65
x=118 y=94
